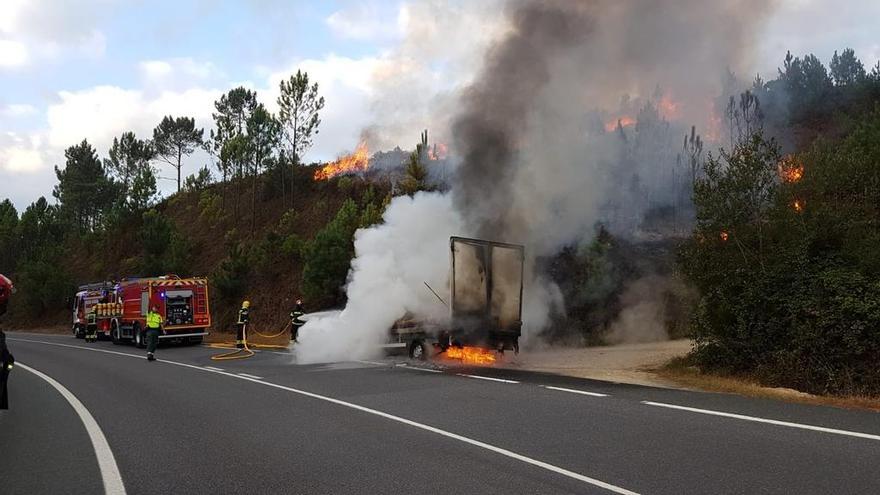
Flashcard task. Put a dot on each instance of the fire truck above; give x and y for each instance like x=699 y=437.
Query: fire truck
x=118 y=310
x=6 y=289
x=86 y=304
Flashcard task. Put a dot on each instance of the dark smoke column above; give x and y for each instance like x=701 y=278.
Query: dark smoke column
x=496 y=110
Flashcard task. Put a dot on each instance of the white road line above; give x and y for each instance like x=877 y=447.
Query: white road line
x=106 y=462
x=581 y=392
x=764 y=420
x=416 y=368
x=438 y=431
x=250 y=376
x=372 y=362
x=478 y=377
x=213 y=368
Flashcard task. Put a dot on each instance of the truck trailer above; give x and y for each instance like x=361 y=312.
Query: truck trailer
x=484 y=302
x=118 y=310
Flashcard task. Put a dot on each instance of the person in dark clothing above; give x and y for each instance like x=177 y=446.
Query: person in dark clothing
x=296 y=321
x=6 y=363
x=244 y=316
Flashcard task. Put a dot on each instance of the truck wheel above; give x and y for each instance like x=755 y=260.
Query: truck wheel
x=418 y=350
x=140 y=340
x=114 y=335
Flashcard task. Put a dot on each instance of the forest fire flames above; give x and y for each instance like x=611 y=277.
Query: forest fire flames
x=358 y=161
x=798 y=205
x=438 y=152
x=668 y=108
x=790 y=169
x=624 y=121
x=471 y=355
x=724 y=236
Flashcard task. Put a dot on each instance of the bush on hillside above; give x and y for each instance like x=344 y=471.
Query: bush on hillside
x=329 y=255
x=784 y=256
x=43 y=285
x=230 y=277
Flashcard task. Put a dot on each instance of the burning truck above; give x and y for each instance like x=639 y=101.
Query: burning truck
x=485 y=306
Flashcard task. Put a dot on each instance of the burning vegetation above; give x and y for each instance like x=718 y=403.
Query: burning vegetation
x=791 y=169
x=356 y=162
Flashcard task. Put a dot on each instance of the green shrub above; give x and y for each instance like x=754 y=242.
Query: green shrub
x=230 y=278
x=294 y=247
x=210 y=206
x=788 y=272
x=43 y=285
x=155 y=237
x=329 y=255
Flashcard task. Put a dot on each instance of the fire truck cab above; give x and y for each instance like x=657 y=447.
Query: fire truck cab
x=92 y=308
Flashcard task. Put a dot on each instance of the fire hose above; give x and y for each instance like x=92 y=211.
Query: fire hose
x=275 y=335
x=244 y=352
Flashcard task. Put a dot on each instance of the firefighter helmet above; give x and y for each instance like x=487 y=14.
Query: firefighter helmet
x=246 y=305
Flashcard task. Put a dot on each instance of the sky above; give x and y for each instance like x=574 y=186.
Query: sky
x=92 y=69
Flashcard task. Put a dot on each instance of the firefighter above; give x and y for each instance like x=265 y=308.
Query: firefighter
x=244 y=316
x=296 y=321
x=154 y=327
x=92 y=325
x=6 y=362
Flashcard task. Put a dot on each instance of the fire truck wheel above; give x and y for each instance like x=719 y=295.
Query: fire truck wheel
x=418 y=350
x=114 y=335
x=140 y=340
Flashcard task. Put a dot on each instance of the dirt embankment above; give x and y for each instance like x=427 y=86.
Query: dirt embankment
x=657 y=364
x=625 y=363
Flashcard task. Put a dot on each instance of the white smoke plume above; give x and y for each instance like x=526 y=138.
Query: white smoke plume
x=392 y=263
x=537 y=165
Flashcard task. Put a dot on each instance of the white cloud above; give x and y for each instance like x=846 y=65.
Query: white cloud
x=47 y=29
x=370 y=21
x=178 y=71
x=17 y=110
x=155 y=69
x=20 y=155
x=12 y=54
x=101 y=113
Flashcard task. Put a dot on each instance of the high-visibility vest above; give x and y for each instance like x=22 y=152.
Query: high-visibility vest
x=154 y=320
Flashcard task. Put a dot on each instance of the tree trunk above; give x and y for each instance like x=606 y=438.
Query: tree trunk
x=254 y=203
x=178 y=170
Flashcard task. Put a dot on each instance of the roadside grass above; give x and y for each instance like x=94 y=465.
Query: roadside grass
x=681 y=371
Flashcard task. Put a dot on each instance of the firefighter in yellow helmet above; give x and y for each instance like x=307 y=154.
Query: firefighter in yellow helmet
x=244 y=316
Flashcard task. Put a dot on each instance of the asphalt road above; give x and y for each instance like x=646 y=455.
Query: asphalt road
x=186 y=424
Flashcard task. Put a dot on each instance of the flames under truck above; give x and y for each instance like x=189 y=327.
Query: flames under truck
x=118 y=310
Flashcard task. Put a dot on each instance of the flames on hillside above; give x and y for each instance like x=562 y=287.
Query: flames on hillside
x=624 y=121
x=357 y=162
x=790 y=169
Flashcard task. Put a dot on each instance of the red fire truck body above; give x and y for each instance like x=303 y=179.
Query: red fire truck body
x=182 y=302
x=5 y=291
x=119 y=310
